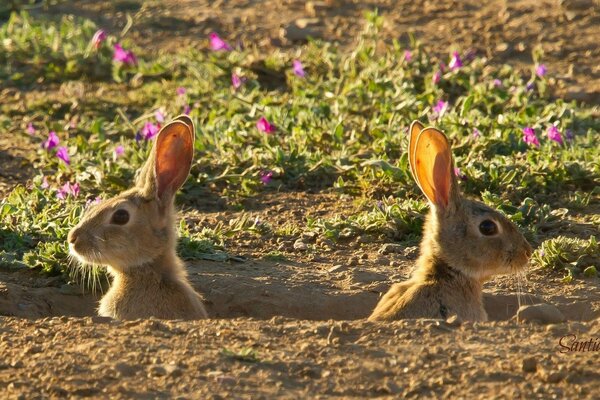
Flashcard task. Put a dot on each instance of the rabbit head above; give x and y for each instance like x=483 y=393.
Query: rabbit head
x=138 y=225
x=465 y=234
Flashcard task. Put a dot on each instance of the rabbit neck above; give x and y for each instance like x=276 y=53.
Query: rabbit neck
x=434 y=269
x=166 y=265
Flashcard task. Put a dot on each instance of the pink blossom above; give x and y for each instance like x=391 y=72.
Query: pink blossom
x=497 y=83
x=407 y=55
x=181 y=91
x=455 y=62
x=68 y=189
x=98 y=38
x=459 y=174
x=63 y=153
x=440 y=108
x=160 y=117
x=437 y=76
x=265 y=126
x=476 y=133
x=298 y=68
x=187 y=109
x=266 y=176
x=554 y=134
x=218 y=44
x=529 y=137
x=124 y=56
x=236 y=81
x=149 y=130
x=52 y=141
x=119 y=151
x=30 y=129
x=92 y=202
x=45 y=184
x=540 y=70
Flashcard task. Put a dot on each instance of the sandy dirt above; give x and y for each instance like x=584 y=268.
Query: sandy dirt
x=295 y=327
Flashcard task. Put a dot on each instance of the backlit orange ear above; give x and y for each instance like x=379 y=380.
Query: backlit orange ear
x=174 y=154
x=188 y=121
x=433 y=166
x=415 y=128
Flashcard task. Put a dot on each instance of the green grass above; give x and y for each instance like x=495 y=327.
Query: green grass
x=342 y=129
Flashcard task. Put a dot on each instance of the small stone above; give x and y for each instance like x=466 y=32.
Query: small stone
x=454 y=321
x=125 y=370
x=391 y=248
x=543 y=313
x=300 y=245
x=352 y=261
x=529 y=364
x=157 y=370
x=301 y=30
x=309 y=236
x=337 y=268
x=411 y=252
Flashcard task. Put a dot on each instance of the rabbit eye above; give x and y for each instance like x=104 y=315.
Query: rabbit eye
x=488 y=228
x=120 y=217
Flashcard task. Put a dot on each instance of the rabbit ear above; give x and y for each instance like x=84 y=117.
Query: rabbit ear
x=188 y=121
x=415 y=128
x=170 y=161
x=433 y=168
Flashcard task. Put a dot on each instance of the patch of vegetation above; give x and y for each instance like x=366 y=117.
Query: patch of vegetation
x=337 y=121
x=573 y=255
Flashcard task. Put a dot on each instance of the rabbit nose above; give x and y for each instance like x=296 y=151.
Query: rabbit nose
x=72 y=236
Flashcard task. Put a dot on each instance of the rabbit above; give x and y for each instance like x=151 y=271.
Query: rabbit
x=134 y=235
x=464 y=243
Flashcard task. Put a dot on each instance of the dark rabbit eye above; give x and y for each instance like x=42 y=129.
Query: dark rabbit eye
x=120 y=217
x=488 y=228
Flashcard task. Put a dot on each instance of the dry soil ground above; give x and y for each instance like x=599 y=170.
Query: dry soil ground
x=295 y=328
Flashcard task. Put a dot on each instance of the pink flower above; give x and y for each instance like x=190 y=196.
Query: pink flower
x=529 y=137
x=265 y=126
x=124 y=56
x=459 y=174
x=554 y=134
x=407 y=55
x=236 y=81
x=91 y=202
x=119 y=151
x=68 y=190
x=45 y=184
x=476 y=133
x=187 y=109
x=437 y=76
x=440 y=108
x=455 y=62
x=160 y=117
x=98 y=38
x=30 y=129
x=497 y=83
x=266 y=176
x=540 y=70
x=149 y=130
x=63 y=153
x=298 y=68
x=218 y=44
x=52 y=141
x=181 y=91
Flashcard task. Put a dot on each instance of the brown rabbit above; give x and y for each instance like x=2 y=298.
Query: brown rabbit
x=134 y=235
x=464 y=242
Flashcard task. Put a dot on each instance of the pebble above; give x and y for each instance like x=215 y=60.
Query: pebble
x=543 y=313
x=125 y=370
x=337 y=268
x=529 y=364
x=300 y=245
x=301 y=29
x=391 y=248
